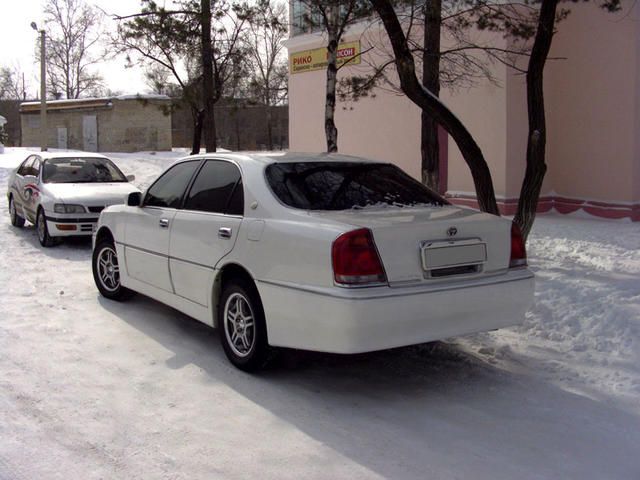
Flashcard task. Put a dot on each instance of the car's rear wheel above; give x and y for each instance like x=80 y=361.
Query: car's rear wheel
x=242 y=325
x=43 y=232
x=106 y=271
x=16 y=220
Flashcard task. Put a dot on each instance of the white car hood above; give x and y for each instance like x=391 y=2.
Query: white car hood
x=98 y=194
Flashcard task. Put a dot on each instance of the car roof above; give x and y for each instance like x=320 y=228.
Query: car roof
x=277 y=157
x=69 y=154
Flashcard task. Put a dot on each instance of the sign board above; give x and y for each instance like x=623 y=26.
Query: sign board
x=316 y=59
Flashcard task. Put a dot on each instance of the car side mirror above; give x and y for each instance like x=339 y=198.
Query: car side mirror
x=134 y=199
x=131 y=178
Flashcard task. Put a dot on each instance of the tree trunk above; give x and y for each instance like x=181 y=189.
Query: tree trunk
x=430 y=146
x=198 y=119
x=330 y=129
x=237 y=128
x=207 y=78
x=424 y=99
x=536 y=166
x=269 y=128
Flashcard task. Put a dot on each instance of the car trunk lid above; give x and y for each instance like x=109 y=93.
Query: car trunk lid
x=433 y=244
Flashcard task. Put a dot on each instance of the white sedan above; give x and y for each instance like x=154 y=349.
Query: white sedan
x=319 y=252
x=63 y=193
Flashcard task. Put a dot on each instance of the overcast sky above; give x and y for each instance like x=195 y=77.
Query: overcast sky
x=18 y=40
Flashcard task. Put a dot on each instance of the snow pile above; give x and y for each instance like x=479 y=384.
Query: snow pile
x=146 y=166
x=584 y=330
x=13 y=156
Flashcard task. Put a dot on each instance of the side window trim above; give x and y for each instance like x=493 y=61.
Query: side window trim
x=193 y=176
x=187 y=190
x=193 y=179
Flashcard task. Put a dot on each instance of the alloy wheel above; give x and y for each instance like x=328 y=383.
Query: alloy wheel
x=108 y=269
x=239 y=326
x=42 y=227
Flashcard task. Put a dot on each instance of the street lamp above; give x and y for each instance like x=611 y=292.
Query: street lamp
x=43 y=89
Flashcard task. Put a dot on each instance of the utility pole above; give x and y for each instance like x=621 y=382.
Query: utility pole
x=43 y=88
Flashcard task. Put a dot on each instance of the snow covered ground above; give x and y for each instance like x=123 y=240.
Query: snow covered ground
x=95 y=389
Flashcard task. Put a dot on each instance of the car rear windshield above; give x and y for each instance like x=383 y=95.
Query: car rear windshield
x=81 y=170
x=346 y=185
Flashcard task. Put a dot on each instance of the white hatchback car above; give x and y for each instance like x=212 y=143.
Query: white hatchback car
x=63 y=193
x=319 y=252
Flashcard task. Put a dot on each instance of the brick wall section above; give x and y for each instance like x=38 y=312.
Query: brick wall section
x=126 y=125
x=237 y=127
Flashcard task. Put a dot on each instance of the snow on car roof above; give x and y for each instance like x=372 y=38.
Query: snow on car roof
x=69 y=154
x=281 y=157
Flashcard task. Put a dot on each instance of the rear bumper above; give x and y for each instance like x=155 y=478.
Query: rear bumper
x=360 y=320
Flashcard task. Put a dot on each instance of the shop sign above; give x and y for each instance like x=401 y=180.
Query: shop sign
x=316 y=59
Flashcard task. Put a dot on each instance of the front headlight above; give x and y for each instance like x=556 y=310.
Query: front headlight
x=66 y=208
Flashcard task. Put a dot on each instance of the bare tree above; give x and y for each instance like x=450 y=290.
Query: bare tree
x=163 y=40
x=333 y=17
x=439 y=35
x=269 y=70
x=12 y=84
x=538 y=22
x=199 y=42
x=427 y=101
x=74 y=31
x=159 y=80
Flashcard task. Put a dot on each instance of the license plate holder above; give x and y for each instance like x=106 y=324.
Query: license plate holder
x=446 y=254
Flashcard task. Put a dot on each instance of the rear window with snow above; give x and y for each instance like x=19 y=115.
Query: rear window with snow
x=346 y=185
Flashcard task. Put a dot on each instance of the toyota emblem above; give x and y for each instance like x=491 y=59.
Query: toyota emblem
x=452 y=231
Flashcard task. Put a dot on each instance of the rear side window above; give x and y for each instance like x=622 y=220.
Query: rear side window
x=217 y=189
x=346 y=185
x=35 y=167
x=24 y=168
x=27 y=167
x=168 y=190
x=236 y=202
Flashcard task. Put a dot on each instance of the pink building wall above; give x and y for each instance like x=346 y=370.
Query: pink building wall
x=593 y=116
x=594 y=110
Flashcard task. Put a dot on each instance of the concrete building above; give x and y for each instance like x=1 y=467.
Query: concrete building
x=592 y=98
x=114 y=124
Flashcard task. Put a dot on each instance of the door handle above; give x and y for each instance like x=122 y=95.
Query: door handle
x=164 y=223
x=224 y=232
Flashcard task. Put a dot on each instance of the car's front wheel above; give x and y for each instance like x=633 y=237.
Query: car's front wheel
x=16 y=220
x=43 y=232
x=106 y=271
x=242 y=327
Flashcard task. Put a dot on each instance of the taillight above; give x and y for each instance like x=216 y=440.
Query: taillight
x=356 y=260
x=518 y=250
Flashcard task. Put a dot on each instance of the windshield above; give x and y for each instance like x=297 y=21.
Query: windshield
x=81 y=170
x=346 y=185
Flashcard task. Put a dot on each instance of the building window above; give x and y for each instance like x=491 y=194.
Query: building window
x=305 y=19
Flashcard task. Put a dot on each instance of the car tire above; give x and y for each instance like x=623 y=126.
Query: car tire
x=106 y=272
x=45 y=239
x=242 y=327
x=16 y=220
